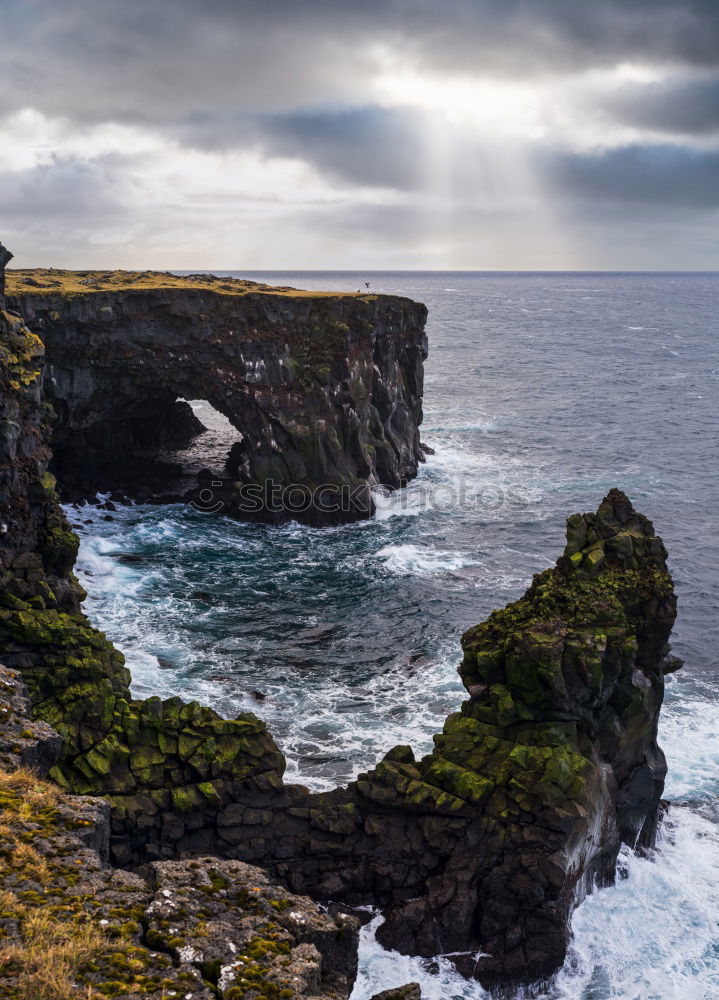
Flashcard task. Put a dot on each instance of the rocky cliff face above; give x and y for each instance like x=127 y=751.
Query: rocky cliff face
x=78 y=681
x=324 y=390
x=5 y=258
x=479 y=849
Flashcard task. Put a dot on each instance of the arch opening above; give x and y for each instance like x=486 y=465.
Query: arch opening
x=154 y=450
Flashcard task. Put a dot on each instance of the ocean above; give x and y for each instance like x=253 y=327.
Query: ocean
x=543 y=390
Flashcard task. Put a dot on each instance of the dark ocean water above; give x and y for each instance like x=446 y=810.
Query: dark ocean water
x=542 y=392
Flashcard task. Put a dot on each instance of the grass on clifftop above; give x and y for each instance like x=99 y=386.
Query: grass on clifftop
x=45 y=959
x=50 y=281
x=69 y=930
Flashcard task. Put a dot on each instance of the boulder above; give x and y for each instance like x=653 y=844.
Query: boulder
x=409 y=992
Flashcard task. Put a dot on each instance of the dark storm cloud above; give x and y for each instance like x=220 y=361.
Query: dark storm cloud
x=161 y=61
x=659 y=175
x=370 y=146
x=374 y=147
x=299 y=80
x=689 y=107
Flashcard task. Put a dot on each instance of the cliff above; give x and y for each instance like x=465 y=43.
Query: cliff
x=325 y=390
x=480 y=849
x=77 y=680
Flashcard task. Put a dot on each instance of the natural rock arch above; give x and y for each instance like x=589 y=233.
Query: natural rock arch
x=324 y=389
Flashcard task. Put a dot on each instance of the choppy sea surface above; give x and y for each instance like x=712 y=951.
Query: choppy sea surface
x=542 y=392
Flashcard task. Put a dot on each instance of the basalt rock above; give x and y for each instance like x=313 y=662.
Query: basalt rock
x=325 y=390
x=481 y=848
x=5 y=258
x=153 y=756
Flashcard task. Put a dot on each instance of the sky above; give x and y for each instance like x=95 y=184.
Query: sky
x=360 y=134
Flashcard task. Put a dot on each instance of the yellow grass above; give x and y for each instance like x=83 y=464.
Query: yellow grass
x=37 y=793
x=44 y=281
x=27 y=858
x=44 y=962
x=47 y=959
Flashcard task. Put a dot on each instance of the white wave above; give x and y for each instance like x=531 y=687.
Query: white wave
x=384 y=970
x=653 y=935
x=346 y=723
x=93 y=561
x=689 y=735
x=403 y=559
x=457 y=478
x=407 y=502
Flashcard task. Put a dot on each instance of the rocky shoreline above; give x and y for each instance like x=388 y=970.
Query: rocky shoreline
x=480 y=849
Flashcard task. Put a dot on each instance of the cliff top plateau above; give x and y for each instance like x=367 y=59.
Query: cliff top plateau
x=54 y=281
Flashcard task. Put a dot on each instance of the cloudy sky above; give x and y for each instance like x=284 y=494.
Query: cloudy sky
x=488 y=134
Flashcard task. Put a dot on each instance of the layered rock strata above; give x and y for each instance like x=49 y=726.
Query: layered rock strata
x=325 y=390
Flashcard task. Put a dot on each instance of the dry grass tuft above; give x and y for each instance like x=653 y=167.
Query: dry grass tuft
x=27 y=858
x=8 y=901
x=46 y=961
x=37 y=793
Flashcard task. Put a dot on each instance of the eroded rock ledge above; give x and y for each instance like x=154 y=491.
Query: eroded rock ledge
x=325 y=390
x=480 y=846
x=198 y=929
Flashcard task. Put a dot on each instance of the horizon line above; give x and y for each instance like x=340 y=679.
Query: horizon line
x=388 y=270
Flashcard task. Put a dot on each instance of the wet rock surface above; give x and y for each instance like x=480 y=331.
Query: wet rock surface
x=324 y=390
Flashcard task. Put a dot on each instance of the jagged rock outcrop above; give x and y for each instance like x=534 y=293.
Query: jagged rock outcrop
x=409 y=992
x=479 y=849
x=5 y=258
x=202 y=928
x=325 y=390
